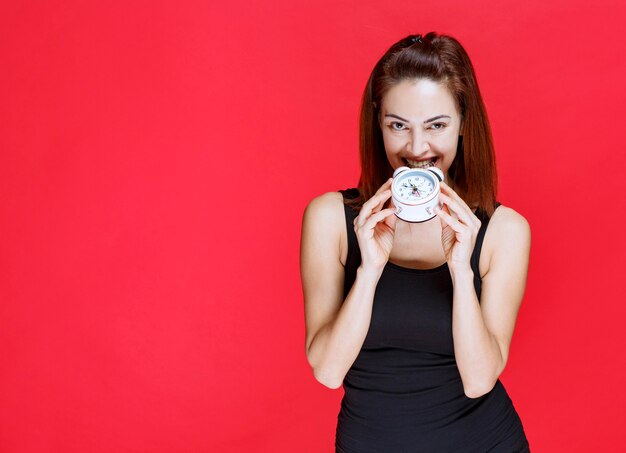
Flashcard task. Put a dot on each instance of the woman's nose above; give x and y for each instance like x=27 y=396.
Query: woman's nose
x=418 y=144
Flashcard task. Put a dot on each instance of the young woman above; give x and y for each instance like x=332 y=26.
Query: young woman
x=415 y=320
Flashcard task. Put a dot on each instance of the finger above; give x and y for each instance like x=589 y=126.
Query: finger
x=444 y=207
x=378 y=217
x=450 y=221
x=458 y=210
x=469 y=218
x=461 y=211
x=369 y=205
x=391 y=220
x=380 y=205
x=385 y=186
x=452 y=194
x=372 y=205
x=455 y=196
x=376 y=199
x=436 y=210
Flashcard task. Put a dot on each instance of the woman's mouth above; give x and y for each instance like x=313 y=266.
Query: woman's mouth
x=420 y=163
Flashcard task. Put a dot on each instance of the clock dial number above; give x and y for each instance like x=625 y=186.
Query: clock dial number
x=415 y=188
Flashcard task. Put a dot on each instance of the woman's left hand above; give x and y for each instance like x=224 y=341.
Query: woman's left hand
x=459 y=229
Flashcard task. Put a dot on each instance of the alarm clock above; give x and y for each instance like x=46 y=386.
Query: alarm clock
x=415 y=193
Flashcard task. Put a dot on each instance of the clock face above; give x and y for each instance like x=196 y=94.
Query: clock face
x=415 y=187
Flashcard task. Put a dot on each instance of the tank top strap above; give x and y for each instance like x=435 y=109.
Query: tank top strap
x=475 y=260
x=353 y=259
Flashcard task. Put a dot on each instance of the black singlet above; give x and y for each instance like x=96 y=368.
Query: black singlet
x=403 y=393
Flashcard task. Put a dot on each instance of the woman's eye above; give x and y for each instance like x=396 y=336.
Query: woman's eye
x=397 y=126
x=438 y=126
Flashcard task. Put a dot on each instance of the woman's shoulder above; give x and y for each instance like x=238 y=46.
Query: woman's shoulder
x=324 y=224
x=326 y=203
x=325 y=209
x=507 y=236
x=331 y=203
x=508 y=219
x=507 y=228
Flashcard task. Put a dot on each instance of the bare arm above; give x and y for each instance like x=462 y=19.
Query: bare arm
x=336 y=329
x=482 y=332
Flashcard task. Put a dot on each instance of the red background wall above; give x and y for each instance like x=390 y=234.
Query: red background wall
x=156 y=158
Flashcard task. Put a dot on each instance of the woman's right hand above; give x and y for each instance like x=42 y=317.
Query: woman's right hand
x=375 y=228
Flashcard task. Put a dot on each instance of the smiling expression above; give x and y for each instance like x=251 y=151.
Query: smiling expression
x=420 y=123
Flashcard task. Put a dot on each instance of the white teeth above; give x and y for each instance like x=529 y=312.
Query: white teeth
x=422 y=164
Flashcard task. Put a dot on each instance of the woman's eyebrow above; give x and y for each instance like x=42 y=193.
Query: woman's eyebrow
x=397 y=117
x=427 y=121
x=437 y=118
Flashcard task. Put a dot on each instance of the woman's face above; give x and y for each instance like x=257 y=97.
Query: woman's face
x=420 y=124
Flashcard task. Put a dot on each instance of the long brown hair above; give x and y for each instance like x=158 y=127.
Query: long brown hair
x=442 y=59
